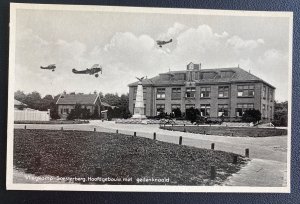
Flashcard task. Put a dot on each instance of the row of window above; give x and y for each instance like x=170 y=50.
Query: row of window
x=223 y=109
x=205 y=92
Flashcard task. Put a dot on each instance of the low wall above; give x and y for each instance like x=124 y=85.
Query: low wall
x=229 y=131
x=31 y=115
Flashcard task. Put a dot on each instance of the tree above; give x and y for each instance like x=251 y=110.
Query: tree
x=95 y=114
x=75 y=113
x=280 y=114
x=20 y=96
x=45 y=103
x=251 y=115
x=33 y=100
x=53 y=111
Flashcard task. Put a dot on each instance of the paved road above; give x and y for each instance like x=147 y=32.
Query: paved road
x=271 y=150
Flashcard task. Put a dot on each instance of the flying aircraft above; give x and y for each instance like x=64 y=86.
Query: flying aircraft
x=51 y=66
x=160 y=43
x=93 y=70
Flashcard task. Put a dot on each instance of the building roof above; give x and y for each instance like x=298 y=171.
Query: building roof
x=72 y=99
x=19 y=103
x=239 y=75
x=105 y=104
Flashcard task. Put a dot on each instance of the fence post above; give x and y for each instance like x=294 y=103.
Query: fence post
x=134 y=134
x=154 y=136
x=247 y=152
x=212 y=146
x=212 y=172
x=180 y=140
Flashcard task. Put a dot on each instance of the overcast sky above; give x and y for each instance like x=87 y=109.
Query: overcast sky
x=124 y=45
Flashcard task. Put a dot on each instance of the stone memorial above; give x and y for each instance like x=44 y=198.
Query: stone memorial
x=139 y=108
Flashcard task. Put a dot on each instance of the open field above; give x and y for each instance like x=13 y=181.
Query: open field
x=79 y=153
x=229 y=131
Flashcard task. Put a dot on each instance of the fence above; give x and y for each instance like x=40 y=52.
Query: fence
x=31 y=115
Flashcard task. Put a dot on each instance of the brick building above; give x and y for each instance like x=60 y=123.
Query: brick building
x=215 y=92
x=67 y=102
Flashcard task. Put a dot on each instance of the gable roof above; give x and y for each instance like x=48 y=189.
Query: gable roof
x=72 y=99
x=240 y=75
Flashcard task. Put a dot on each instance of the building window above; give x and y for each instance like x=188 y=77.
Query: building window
x=144 y=109
x=223 y=91
x=176 y=93
x=223 y=110
x=175 y=106
x=160 y=108
x=204 y=92
x=226 y=74
x=271 y=94
x=242 y=107
x=190 y=92
x=264 y=110
x=264 y=92
x=160 y=93
x=67 y=110
x=245 y=91
x=61 y=111
x=188 y=106
x=144 y=93
x=271 y=112
x=205 y=110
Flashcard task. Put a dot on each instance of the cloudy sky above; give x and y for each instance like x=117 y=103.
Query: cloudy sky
x=124 y=44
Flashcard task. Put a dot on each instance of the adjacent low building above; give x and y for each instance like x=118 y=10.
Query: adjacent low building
x=225 y=92
x=66 y=103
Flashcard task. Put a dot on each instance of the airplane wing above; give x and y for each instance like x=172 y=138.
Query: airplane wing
x=80 y=72
x=95 y=66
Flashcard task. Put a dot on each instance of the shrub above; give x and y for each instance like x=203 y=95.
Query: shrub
x=177 y=113
x=75 y=113
x=251 y=115
x=191 y=114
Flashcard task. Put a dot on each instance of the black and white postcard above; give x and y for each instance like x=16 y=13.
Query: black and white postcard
x=105 y=98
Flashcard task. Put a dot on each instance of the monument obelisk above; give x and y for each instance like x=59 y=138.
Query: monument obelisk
x=139 y=108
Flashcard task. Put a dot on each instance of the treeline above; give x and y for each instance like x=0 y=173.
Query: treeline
x=280 y=114
x=34 y=100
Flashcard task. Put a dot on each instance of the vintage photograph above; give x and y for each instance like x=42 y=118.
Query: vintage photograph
x=105 y=98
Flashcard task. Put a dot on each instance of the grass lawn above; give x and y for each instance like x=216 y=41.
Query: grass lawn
x=78 y=153
x=229 y=131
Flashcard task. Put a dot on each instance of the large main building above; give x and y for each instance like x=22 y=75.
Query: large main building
x=218 y=92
